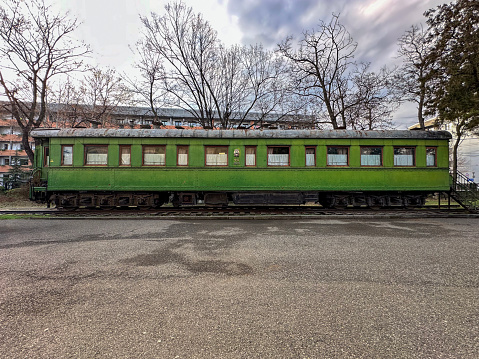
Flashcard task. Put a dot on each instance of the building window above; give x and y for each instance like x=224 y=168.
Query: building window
x=7 y=161
x=182 y=155
x=46 y=156
x=154 y=155
x=96 y=155
x=67 y=155
x=431 y=158
x=178 y=123
x=338 y=156
x=250 y=153
x=404 y=156
x=371 y=156
x=125 y=155
x=310 y=156
x=278 y=156
x=216 y=156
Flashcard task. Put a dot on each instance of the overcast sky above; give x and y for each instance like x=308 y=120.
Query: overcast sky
x=110 y=26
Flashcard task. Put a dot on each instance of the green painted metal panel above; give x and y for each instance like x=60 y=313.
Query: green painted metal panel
x=210 y=179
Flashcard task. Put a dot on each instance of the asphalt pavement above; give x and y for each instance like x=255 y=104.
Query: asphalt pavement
x=325 y=288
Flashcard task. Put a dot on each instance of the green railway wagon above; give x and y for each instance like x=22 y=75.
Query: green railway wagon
x=151 y=167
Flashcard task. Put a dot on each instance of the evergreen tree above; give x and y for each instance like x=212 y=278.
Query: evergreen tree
x=454 y=35
x=17 y=175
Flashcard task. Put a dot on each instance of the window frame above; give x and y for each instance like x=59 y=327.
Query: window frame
x=120 y=153
x=279 y=146
x=334 y=146
x=46 y=157
x=435 y=155
x=143 y=147
x=306 y=148
x=187 y=155
x=216 y=146
x=63 y=156
x=381 y=163
x=413 y=157
x=255 y=156
x=85 y=156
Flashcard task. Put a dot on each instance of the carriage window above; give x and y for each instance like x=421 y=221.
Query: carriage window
x=278 y=156
x=250 y=156
x=310 y=156
x=154 y=155
x=216 y=155
x=125 y=155
x=96 y=155
x=338 y=156
x=182 y=155
x=404 y=156
x=371 y=156
x=67 y=155
x=431 y=159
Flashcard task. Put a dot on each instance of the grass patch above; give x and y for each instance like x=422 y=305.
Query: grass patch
x=22 y=216
x=17 y=197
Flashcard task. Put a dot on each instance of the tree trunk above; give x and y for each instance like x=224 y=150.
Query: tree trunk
x=26 y=145
x=454 y=155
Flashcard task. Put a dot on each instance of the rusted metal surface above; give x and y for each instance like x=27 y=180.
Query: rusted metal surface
x=231 y=134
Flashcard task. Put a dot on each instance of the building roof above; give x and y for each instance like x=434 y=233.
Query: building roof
x=167 y=133
x=428 y=124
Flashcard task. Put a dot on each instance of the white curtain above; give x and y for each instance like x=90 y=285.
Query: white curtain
x=154 y=159
x=337 y=160
x=403 y=160
x=310 y=159
x=370 y=160
x=220 y=159
x=431 y=160
x=96 y=158
x=278 y=160
x=125 y=159
x=250 y=159
x=182 y=159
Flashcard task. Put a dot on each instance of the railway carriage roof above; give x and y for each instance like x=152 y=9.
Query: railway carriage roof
x=159 y=133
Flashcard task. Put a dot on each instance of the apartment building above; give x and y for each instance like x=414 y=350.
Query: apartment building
x=11 y=148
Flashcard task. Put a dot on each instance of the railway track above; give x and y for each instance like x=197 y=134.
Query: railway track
x=250 y=212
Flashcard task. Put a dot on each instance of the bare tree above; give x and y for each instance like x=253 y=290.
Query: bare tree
x=35 y=45
x=375 y=99
x=414 y=75
x=323 y=64
x=184 y=62
x=254 y=87
x=102 y=91
x=148 y=88
x=188 y=45
x=91 y=102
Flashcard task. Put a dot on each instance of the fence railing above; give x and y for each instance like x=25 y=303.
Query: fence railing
x=464 y=191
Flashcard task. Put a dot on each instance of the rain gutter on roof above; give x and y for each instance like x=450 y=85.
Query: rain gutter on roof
x=158 y=133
